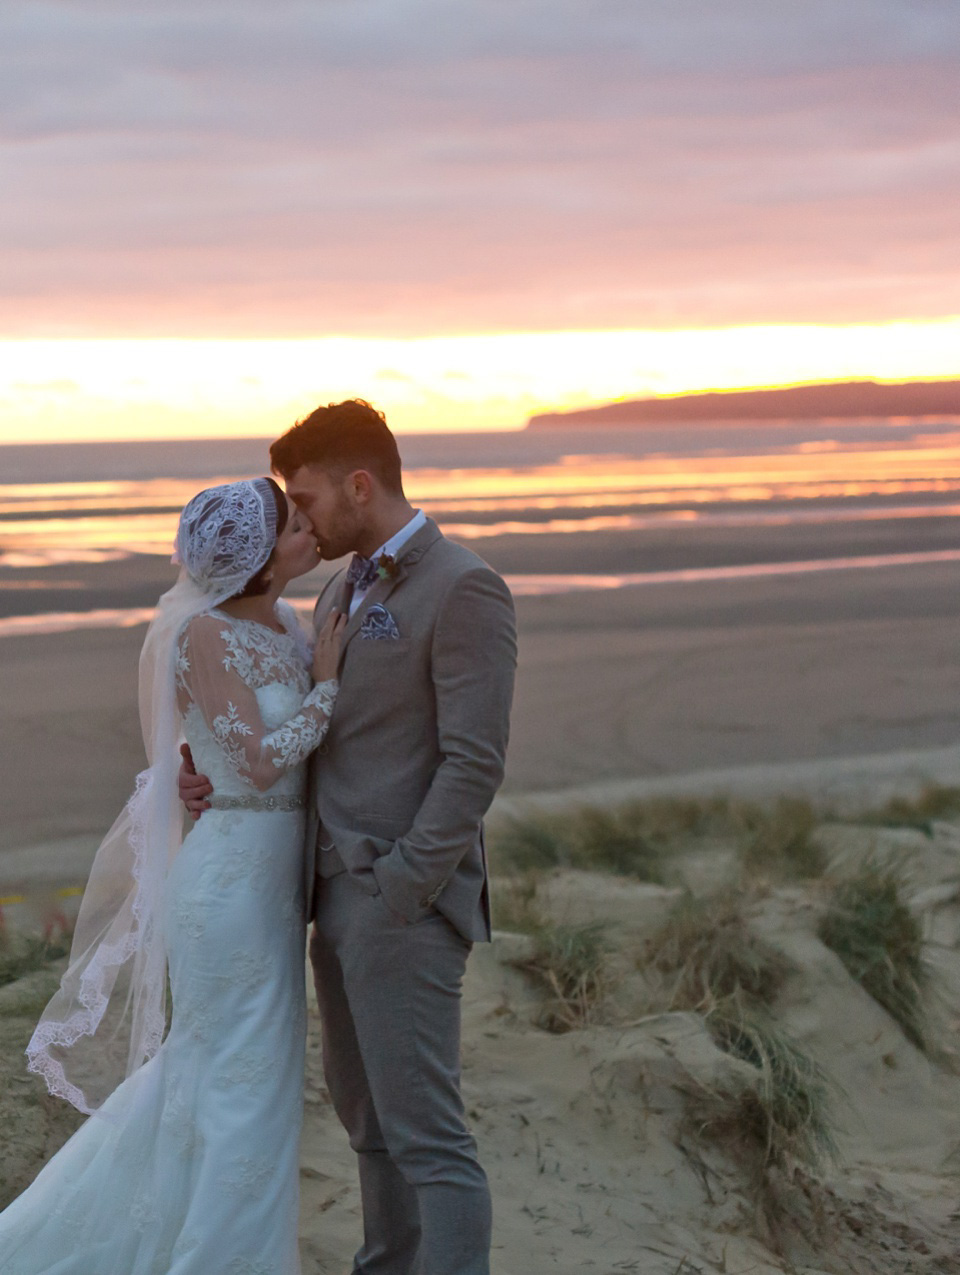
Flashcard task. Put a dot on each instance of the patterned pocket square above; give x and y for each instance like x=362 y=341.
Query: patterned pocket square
x=379 y=625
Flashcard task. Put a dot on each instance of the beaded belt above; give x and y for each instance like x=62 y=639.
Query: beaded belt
x=258 y=803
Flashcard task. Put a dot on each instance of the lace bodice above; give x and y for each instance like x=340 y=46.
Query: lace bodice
x=250 y=716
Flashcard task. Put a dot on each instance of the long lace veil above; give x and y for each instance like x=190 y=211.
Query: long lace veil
x=108 y=1016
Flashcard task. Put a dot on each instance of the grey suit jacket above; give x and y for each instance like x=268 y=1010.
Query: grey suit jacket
x=416 y=748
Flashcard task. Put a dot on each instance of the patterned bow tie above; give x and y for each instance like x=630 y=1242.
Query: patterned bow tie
x=361 y=572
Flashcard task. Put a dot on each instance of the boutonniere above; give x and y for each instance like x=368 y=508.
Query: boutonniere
x=387 y=567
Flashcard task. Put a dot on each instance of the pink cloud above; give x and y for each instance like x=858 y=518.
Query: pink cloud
x=375 y=168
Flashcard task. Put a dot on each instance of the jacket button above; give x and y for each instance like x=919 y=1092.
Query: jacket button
x=323 y=750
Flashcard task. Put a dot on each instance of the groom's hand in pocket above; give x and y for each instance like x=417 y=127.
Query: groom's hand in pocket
x=193 y=788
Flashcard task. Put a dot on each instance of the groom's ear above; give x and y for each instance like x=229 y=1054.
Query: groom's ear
x=362 y=486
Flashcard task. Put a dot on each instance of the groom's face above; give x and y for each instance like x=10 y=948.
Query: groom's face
x=330 y=503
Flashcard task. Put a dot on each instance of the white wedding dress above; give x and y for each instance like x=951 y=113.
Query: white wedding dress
x=191 y=1167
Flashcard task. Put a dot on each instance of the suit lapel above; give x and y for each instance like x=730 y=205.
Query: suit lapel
x=380 y=590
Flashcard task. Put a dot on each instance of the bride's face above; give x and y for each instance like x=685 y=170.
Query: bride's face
x=295 y=552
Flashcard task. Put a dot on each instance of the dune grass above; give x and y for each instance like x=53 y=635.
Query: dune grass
x=22 y=954
x=615 y=841
x=779 y=841
x=27 y=976
x=707 y=954
x=786 y=1116
x=879 y=940
x=531 y=843
x=636 y=839
x=570 y=964
x=935 y=801
x=589 y=838
x=633 y=839
x=513 y=904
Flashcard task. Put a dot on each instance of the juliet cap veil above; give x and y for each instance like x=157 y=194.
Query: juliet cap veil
x=109 y=1014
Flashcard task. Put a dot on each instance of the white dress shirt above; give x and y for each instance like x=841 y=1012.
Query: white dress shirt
x=391 y=547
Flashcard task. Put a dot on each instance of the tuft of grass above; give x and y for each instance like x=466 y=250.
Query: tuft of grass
x=880 y=941
x=614 y=841
x=514 y=904
x=669 y=822
x=571 y=966
x=25 y=954
x=708 y=954
x=786 y=1116
x=935 y=801
x=29 y=995
x=532 y=843
x=779 y=841
x=636 y=838
x=590 y=839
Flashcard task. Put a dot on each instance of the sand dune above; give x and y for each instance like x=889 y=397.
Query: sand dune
x=591 y=1138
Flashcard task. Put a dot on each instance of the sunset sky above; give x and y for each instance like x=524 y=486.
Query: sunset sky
x=216 y=215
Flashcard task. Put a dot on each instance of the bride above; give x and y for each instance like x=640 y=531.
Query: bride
x=188 y=1164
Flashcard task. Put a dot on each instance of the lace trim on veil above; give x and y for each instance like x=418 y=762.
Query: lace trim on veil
x=98 y=978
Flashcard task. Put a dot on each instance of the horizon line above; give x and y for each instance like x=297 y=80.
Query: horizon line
x=521 y=429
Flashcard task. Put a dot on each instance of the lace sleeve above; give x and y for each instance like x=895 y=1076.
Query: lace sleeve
x=208 y=676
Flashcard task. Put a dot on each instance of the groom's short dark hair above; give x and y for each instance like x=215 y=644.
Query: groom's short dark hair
x=340 y=438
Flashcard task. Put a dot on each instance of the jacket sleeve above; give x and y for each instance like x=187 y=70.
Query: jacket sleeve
x=473 y=659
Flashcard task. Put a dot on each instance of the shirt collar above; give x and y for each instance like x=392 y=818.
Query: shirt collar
x=396 y=542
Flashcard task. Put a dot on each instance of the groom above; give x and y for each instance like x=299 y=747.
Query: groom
x=397 y=879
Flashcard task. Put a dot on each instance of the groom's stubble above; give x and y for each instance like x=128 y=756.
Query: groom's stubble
x=338 y=524
x=344 y=530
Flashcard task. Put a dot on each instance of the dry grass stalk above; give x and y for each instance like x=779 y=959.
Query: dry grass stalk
x=570 y=964
x=934 y=802
x=532 y=843
x=22 y=954
x=614 y=841
x=590 y=839
x=514 y=904
x=880 y=942
x=774 y=1126
x=779 y=842
x=708 y=955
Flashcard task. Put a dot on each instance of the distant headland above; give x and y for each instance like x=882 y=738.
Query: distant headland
x=839 y=399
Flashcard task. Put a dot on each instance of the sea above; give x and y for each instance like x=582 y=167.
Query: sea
x=556 y=510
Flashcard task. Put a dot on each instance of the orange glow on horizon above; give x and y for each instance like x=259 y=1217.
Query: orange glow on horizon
x=90 y=390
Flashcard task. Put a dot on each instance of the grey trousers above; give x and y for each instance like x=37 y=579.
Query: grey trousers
x=389 y=997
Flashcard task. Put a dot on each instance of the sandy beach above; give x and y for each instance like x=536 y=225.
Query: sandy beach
x=613 y=685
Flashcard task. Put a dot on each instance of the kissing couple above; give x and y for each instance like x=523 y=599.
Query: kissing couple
x=340 y=779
